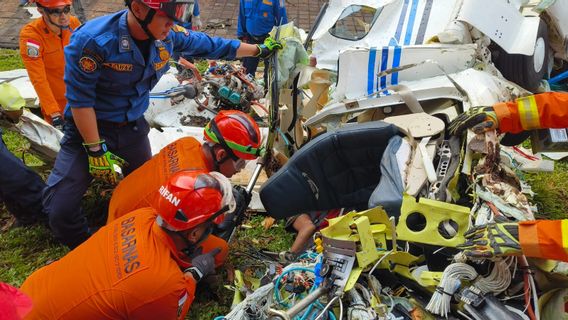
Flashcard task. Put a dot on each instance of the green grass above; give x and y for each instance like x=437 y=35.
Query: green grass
x=10 y=59
x=24 y=250
x=20 y=147
x=551 y=190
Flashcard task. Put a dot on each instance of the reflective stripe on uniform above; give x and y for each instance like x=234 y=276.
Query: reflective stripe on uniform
x=528 y=112
x=564 y=230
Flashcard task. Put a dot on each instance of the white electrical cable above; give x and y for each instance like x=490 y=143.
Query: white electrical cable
x=532 y=288
x=440 y=302
x=327 y=307
x=518 y=312
x=341 y=309
x=497 y=281
x=379 y=262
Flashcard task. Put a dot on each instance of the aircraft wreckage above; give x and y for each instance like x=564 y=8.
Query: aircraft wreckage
x=364 y=128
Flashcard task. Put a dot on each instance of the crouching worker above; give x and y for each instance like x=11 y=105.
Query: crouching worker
x=144 y=265
x=231 y=138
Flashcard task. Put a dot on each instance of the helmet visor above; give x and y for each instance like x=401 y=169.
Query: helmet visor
x=179 y=11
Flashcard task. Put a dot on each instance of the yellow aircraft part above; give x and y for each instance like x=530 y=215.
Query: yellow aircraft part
x=400 y=262
x=239 y=283
x=430 y=278
x=435 y=213
x=369 y=228
x=353 y=277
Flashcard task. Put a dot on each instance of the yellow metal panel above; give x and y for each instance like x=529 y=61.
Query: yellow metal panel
x=434 y=212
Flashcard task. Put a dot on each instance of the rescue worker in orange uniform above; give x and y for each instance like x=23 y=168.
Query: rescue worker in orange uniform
x=144 y=265
x=539 y=111
x=539 y=238
x=41 y=48
x=231 y=138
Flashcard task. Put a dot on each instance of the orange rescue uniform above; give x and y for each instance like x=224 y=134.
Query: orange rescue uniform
x=545 y=110
x=42 y=52
x=546 y=239
x=129 y=269
x=140 y=188
x=540 y=238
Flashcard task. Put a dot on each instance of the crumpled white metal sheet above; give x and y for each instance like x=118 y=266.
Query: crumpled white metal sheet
x=361 y=71
x=400 y=23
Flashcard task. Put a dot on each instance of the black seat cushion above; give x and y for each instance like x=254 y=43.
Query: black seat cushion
x=339 y=169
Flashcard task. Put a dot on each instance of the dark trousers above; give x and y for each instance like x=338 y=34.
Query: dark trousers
x=20 y=188
x=70 y=177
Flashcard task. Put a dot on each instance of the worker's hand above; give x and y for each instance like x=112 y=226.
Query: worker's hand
x=242 y=197
x=268 y=48
x=196 y=23
x=493 y=239
x=57 y=121
x=479 y=119
x=102 y=163
x=203 y=264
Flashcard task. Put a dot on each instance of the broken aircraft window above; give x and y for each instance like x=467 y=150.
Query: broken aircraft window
x=355 y=22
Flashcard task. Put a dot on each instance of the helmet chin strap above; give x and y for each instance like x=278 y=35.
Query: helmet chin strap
x=190 y=246
x=144 y=23
x=217 y=163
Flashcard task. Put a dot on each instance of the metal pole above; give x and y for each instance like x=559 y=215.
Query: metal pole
x=304 y=303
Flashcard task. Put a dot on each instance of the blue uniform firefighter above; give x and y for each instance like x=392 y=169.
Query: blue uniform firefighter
x=256 y=19
x=112 y=62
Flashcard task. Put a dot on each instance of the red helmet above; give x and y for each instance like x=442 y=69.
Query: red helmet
x=53 y=3
x=178 y=10
x=236 y=131
x=191 y=198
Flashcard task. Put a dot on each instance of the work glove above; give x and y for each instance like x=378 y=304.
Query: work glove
x=478 y=119
x=203 y=264
x=196 y=23
x=491 y=240
x=57 y=121
x=242 y=197
x=268 y=48
x=102 y=163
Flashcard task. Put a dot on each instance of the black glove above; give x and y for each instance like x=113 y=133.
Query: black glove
x=232 y=219
x=57 y=122
x=492 y=239
x=242 y=198
x=203 y=264
x=478 y=119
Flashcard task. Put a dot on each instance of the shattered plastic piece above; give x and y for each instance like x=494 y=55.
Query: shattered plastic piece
x=523 y=159
x=44 y=138
x=503 y=206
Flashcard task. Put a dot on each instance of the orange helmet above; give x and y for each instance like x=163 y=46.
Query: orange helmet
x=178 y=10
x=237 y=132
x=53 y=3
x=191 y=198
